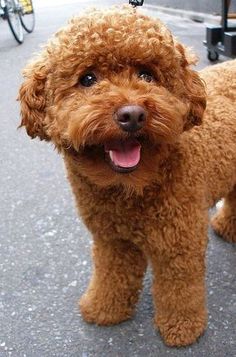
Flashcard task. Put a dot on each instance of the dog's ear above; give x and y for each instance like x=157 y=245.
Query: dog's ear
x=194 y=87
x=32 y=98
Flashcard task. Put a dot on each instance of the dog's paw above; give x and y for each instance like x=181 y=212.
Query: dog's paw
x=180 y=331
x=224 y=225
x=95 y=310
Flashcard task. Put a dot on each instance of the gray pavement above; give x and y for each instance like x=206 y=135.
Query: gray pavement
x=210 y=6
x=45 y=249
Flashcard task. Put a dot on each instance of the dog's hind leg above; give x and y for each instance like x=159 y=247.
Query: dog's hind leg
x=224 y=221
x=113 y=291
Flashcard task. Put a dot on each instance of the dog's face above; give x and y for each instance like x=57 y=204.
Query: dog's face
x=112 y=91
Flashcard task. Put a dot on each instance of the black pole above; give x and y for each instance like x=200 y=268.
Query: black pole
x=225 y=8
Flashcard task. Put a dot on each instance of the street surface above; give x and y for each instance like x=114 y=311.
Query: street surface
x=45 y=249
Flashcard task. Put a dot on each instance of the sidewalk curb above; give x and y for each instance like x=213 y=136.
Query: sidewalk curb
x=192 y=15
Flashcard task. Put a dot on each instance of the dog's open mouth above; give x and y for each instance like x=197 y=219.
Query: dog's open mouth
x=123 y=155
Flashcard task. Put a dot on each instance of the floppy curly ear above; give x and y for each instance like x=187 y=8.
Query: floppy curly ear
x=32 y=98
x=195 y=92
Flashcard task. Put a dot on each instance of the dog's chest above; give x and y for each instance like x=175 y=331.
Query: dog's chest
x=117 y=216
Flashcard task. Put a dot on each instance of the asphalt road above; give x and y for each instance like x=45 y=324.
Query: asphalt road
x=45 y=249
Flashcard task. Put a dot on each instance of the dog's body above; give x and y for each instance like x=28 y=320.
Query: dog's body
x=143 y=207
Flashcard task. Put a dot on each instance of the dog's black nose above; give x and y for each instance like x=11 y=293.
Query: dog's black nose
x=131 y=117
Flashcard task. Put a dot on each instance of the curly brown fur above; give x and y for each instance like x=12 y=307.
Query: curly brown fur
x=158 y=211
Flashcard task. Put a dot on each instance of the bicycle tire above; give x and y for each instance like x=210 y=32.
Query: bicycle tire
x=27 y=16
x=14 y=22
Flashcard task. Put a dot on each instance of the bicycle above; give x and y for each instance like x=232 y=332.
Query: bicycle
x=19 y=15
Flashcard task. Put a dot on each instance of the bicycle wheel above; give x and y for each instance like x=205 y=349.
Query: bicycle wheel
x=13 y=18
x=27 y=15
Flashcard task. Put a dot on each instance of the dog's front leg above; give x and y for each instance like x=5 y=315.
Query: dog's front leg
x=113 y=291
x=178 y=261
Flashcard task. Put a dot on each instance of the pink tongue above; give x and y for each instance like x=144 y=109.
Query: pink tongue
x=124 y=153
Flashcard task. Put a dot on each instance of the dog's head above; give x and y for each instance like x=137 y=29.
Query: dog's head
x=112 y=91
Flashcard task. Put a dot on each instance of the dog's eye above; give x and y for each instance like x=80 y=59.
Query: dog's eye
x=146 y=75
x=88 y=79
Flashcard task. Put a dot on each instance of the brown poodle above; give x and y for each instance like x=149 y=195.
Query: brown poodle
x=115 y=93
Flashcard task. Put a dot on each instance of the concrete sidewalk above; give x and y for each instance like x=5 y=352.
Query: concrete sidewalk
x=210 y=7
x=45 y=249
